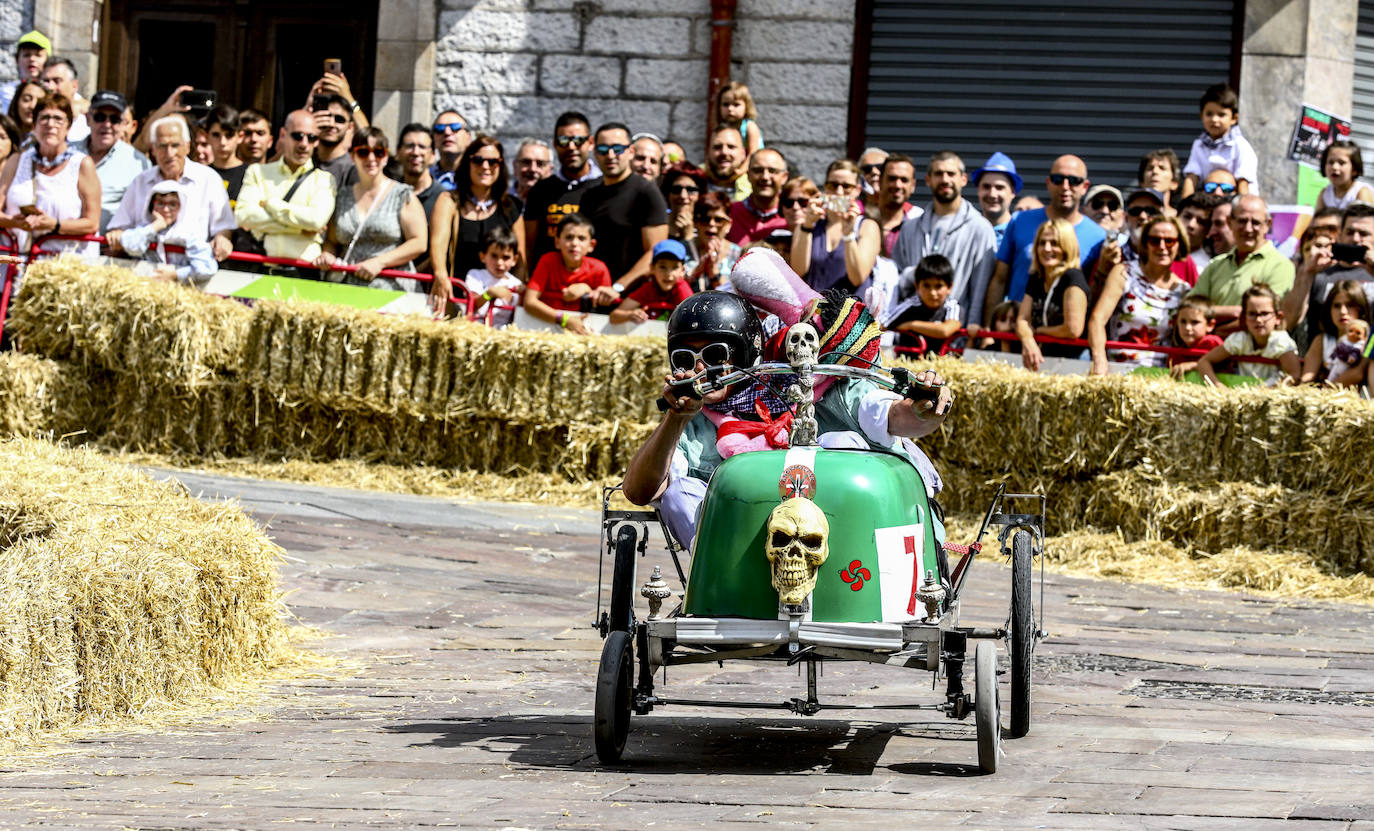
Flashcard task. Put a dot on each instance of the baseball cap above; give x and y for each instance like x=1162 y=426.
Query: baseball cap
x=34 y=38
x=1149 y=193
x=1097 y=189
x=1000 y=162
x=109 y=98
x=670 y=248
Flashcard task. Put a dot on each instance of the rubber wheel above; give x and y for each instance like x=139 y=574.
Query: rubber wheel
x=986 y=706
x=614 y=695
x=1021 y=634
x=623 y=580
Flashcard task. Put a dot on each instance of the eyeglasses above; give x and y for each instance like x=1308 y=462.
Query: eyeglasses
x=51 y=118
x=368 y=152
x=455 y=127
x=799 y=201
x=106 y=118
x=1215 y=187
x=713 y=219
x=870 y=168
x=485 y=161
x=692 y=190
x=1138 y=211
x=837 y=186
x=759 y=170
x=1259 y=315
x=1061 y=178
x=1163 y=242
x=612 y=149
x=712 y=354
x=334 y=117
x=564 y=141
x=308 y=138
x=1105 y=204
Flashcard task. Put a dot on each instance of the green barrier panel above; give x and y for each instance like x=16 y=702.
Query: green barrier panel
x=286 y=288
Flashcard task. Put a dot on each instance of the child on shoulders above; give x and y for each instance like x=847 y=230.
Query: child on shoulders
x=735 y=108
x=1221 y=144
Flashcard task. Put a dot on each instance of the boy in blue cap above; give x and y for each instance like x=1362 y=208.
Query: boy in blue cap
x=998 y=183
x=663 y=291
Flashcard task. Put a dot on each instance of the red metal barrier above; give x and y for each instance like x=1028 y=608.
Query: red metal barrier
x=1171 y=351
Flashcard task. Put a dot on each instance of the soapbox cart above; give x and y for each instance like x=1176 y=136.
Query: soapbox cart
x=805 y=555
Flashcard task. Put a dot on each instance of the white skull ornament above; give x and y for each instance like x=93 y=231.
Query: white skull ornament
x=803 y=344
x=796 y=546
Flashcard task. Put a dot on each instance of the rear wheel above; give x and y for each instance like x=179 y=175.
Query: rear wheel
x=614 y=696
x=986 y=706
x=623 y=579
x=1021 y=637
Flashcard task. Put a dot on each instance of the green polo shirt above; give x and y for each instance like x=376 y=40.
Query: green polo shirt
x=1223 y=281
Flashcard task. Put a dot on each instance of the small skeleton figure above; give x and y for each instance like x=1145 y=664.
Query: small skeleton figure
x=802 y=345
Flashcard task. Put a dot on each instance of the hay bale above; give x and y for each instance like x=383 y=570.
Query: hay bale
x=118 y=594
x=109 y=317
x=43 y=397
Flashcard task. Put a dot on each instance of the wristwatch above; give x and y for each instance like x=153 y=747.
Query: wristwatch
x=354 y=106
x=617 y=288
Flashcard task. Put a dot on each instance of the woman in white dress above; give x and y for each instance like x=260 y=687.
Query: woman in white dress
x=50 y=188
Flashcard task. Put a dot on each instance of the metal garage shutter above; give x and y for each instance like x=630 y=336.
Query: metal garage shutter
x=1106 y=81
x=1362 y=119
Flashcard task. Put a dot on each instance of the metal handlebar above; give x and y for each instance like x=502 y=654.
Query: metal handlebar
x=897 y=379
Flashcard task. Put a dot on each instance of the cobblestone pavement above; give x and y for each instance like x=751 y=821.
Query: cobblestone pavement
x=1153 y=709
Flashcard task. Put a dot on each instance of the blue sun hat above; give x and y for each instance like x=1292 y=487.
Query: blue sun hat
x=1000 y=163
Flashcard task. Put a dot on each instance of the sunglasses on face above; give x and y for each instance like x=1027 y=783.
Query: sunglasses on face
x=691 y=190
x=485 y=161
x=1163 y=242
x=1143 y=210
x=713 y=220
x=799 y=201
x=369 y=152
x=564 y=141
x=612 y=149
x=107 y=118
x=455 y=127
x=308 y=138
x=712 y=354
x=870 y=168
x=1218 y=187
x=1061 y=178
x=1107 y=204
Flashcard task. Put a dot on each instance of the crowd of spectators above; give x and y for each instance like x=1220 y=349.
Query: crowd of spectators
x=603 y=219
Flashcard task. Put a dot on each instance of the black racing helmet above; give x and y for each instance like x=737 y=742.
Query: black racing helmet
x=722 y=317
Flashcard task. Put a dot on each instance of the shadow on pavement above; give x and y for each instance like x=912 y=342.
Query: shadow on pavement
x=682 y=744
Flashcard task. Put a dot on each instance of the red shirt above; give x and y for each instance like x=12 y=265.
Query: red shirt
x=1208 y=342
x=1186 y=270
x=551 y=277
x=655 y=300
x=746 y=226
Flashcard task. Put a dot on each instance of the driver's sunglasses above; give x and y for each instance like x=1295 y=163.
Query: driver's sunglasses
x=712 y=354
x=1061 y=178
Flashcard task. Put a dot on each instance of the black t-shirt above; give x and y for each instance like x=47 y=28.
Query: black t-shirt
x=620 y=212
x=1050 y=311
x=547 y=203
x=466 y=251
x=233 y=180
x=342 y=169
x=915 y=310
x=428 y=197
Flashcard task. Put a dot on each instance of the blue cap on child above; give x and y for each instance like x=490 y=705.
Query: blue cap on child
x=670 y=248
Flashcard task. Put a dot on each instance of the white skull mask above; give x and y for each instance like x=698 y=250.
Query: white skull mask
x=796 y=546
x=803 y=344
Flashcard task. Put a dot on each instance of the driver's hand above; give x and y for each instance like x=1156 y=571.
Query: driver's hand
x=686 y=405
x=940 y=407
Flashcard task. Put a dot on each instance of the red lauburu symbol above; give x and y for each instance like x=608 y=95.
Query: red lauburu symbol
x=855 y=575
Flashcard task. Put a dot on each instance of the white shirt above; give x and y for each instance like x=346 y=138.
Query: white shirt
x=1230 y=152
x=204 y=204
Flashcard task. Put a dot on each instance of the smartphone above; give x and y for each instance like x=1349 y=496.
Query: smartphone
x=199 y=100
x=1346 y=253
x=333 y=66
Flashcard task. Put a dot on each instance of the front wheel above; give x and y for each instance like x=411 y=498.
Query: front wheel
x=614 y=696
x=1021 y=637
x=987 y=708
x=623 y=579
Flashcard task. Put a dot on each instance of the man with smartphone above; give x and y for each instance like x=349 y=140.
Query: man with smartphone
x=1350 y=259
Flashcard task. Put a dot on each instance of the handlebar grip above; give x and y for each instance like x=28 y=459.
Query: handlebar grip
x=684 y=387
x=908 y=387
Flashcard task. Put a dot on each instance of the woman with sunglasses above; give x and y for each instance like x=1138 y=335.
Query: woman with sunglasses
x=683 y=184
x=710 y=256
x=835 y=246
x=1139 y=298
x=377 y=224
x=50 y=188
x=481 y=201
x=1056 y=299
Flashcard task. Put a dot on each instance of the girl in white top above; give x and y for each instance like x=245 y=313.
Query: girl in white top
x=1264 y=336
x=1343 y=167
x=50 y=188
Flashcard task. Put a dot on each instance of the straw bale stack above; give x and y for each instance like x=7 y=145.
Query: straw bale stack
x=118 y=593
x=108 y=317
x=39 y=396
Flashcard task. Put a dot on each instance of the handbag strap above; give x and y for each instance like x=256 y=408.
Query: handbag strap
x=363 y=221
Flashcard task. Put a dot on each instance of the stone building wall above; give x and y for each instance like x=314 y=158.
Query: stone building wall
x=511 y=66
x=13 y=15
